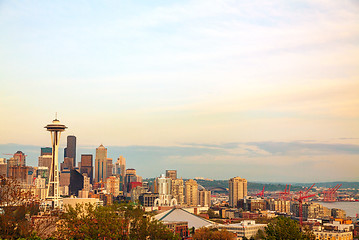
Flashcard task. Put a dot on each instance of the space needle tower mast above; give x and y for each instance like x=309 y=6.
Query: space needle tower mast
x=53 y=192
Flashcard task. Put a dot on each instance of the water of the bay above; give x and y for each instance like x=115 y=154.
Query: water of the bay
x=351 y=208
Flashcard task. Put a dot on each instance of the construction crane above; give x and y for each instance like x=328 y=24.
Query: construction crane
x=302 y=196
x=286 y=194
x=10 y=154
x=261 y=194
x=330 y=195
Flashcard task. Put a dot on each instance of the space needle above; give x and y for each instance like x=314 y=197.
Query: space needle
x=53 y=192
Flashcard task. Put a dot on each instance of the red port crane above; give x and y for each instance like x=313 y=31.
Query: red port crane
x=261 y=194
x=10 y=154
x=330 y=195
x=300 y=197
x=286 y=194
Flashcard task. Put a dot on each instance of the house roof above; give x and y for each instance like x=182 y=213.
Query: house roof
x=178 y=214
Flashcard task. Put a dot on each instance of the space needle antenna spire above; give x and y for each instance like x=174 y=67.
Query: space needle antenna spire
x=53 y=192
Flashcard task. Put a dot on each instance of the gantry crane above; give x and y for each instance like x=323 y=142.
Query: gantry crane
x=330 y=194
x=286 y=194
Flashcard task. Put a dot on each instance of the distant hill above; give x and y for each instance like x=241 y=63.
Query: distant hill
x=256 y=186
x=332 y=184
x=252 y=186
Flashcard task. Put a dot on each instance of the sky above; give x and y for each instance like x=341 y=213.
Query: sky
x=265 y=90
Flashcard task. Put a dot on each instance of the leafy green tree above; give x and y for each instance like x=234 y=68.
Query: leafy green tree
x=282 y=228
x=117 y=221
x=211 y=213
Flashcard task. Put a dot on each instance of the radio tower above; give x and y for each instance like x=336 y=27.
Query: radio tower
x=53 y=193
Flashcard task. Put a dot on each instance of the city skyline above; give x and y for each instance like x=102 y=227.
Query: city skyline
x=266 y=91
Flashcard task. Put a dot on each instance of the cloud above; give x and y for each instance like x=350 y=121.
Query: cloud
x=269 y=161
x=306 y=148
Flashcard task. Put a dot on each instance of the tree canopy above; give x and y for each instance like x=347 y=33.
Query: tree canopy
x=16 y=208
x=117 y=221
x=213 y=234
x=282 y=228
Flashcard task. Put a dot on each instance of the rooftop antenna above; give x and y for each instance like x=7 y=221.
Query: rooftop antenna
x=56 y=115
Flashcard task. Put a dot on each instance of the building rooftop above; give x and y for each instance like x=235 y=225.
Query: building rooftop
x=179 y=214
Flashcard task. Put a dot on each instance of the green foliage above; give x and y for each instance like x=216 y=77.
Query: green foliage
x=117 y=221
x=213 y=234
x=212 y=214
x=282 y=228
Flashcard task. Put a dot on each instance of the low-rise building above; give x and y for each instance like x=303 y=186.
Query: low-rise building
x=243 y=229
x=148 y=199
x=279 y=205
x=252 y=204
x=338 y=213
x=179 y=227
x=333 y=235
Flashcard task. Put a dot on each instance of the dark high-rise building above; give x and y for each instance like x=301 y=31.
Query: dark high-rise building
x=87 y=166
x=76 y=182
x=71 y=149
x=109 y=167
x=68 y=163
x=46 y=151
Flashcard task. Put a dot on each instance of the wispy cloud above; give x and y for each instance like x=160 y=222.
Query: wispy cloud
x=275 y=161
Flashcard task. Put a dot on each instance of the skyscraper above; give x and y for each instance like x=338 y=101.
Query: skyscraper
x=164 y=192
x=113 y=185
x=177 y=190
x=120 y=170
x=71 y=149
x=20 y=158
x=171 y=174
x=101 y=164
x=204 y=198
x=3 y=167
x=87 y=165
x=68 y=163
x=46 y=151
x=120 y=166
x=130 y=177
x=109 y=167
x=45 y=161
x=76 y=182
x=191 y=192
x=237 y=190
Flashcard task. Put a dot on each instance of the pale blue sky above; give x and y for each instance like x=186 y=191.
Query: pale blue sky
x=166 y=74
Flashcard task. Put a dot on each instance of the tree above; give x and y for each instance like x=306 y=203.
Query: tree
x=282 y=228
x=117 y=221
x=16 y=208
x=212 y=214
x=213 y=234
